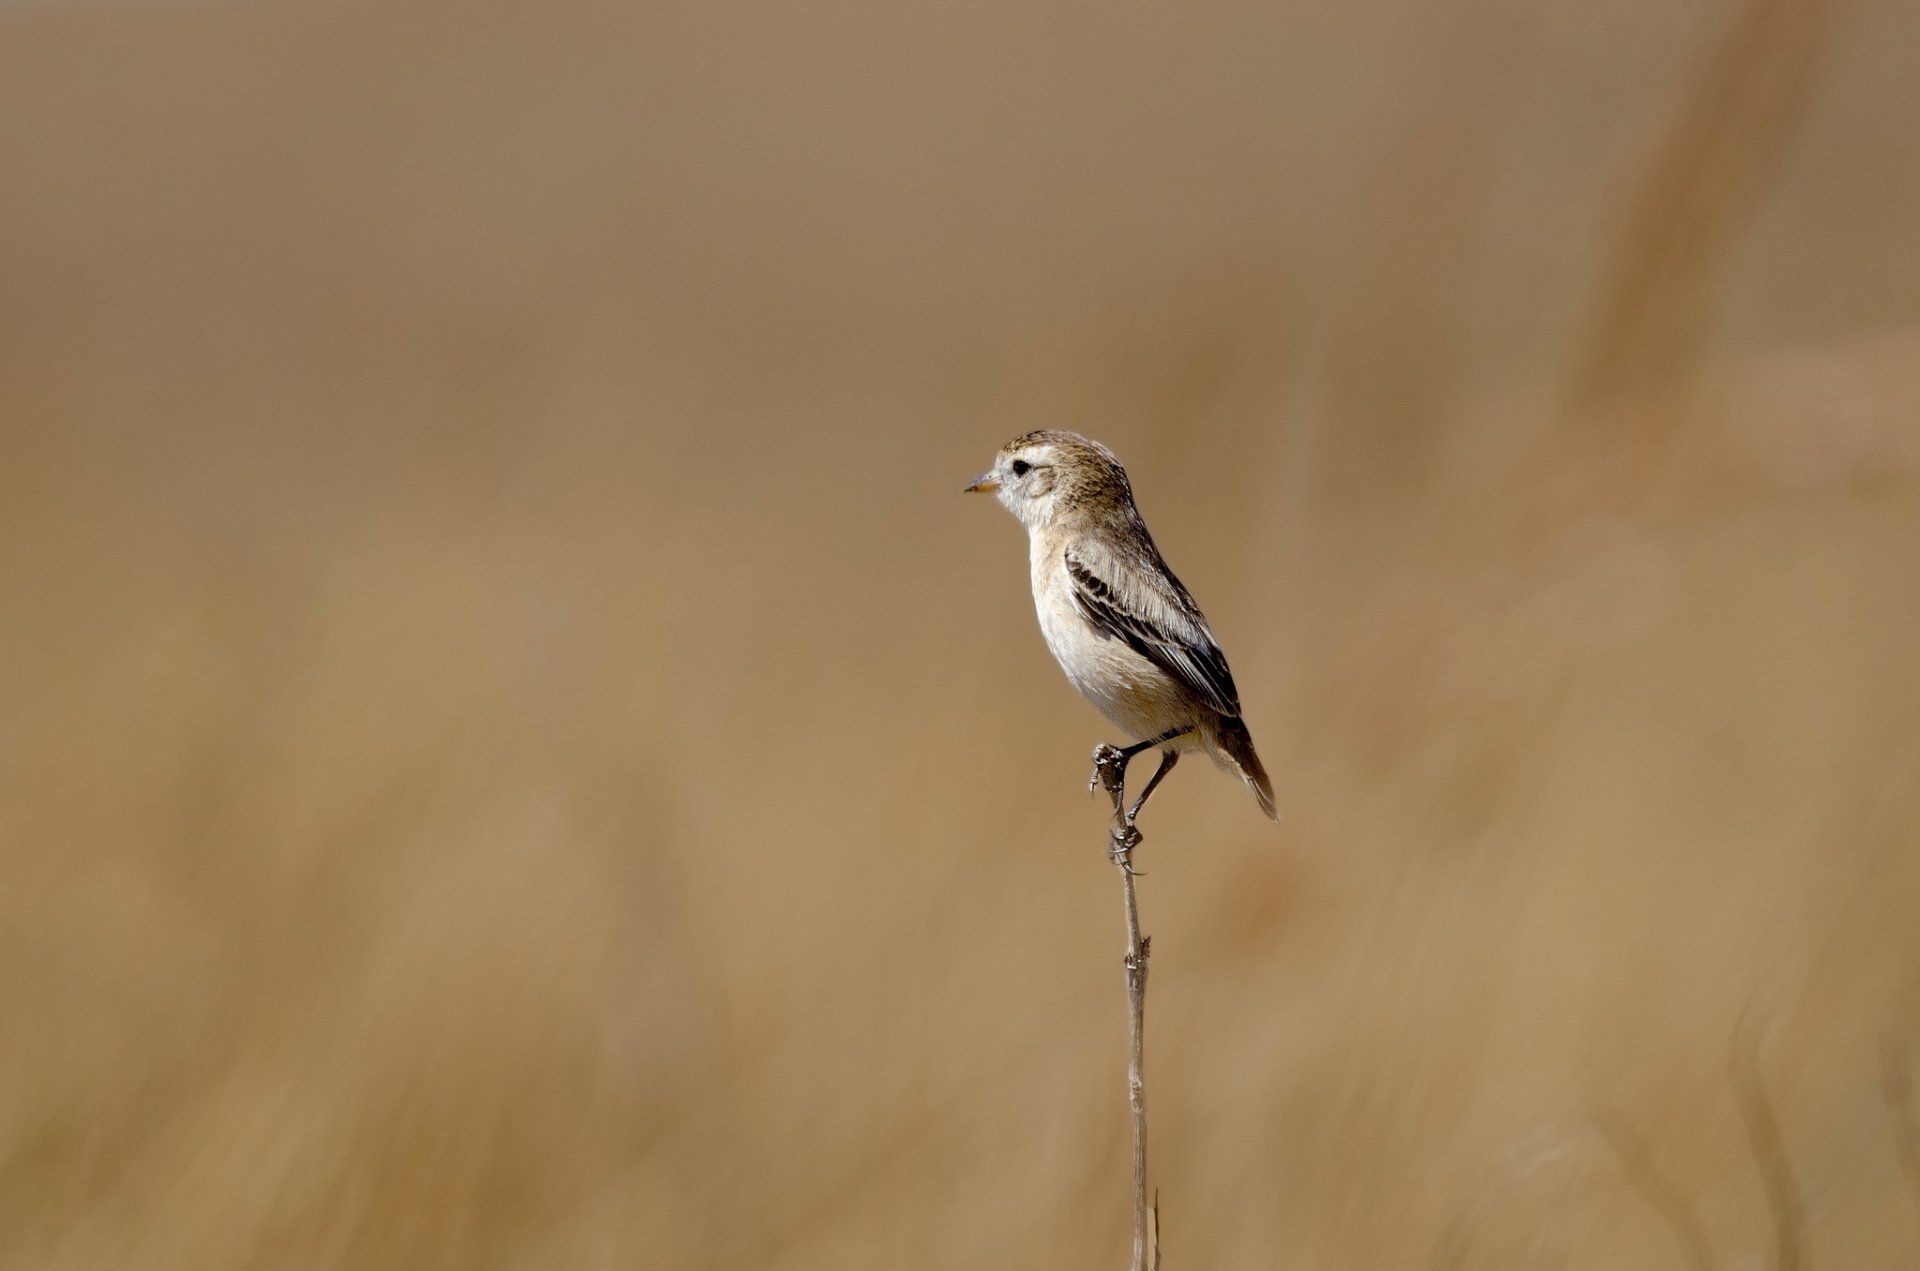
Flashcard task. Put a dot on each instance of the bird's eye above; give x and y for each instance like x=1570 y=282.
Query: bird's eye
x=1021 y=467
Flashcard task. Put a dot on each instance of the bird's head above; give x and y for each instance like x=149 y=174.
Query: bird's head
x=1044 y=476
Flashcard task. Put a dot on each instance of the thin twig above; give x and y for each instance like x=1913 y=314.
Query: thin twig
x=1110 y=770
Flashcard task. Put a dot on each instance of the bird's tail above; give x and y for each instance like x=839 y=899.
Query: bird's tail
x=1236 y=747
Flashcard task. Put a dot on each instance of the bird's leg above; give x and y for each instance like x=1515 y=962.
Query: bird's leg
x=1110 y=774
x=1168 y=758
x=1110 y=763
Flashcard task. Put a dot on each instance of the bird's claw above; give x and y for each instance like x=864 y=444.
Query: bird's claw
x=1121 y=844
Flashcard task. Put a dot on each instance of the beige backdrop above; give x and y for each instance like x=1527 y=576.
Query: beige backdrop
x=516 y=753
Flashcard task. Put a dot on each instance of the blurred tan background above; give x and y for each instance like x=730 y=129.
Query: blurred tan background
x=515 y=752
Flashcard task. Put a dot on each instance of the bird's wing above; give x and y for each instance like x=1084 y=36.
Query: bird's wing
x=1137 y=600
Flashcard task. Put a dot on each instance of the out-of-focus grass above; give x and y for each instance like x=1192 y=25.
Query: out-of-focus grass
x=514 y=752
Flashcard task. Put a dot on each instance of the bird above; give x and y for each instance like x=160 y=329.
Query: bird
x=1119 y=622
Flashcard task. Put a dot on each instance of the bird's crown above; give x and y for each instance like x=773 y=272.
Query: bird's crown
x=1084 y=472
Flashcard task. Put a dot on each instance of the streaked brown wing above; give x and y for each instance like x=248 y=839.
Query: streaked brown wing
x=1144 y=605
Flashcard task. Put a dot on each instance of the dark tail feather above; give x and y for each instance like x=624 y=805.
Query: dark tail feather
x=1236 y=743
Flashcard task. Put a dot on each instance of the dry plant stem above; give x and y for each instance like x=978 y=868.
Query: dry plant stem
x=1110 y=771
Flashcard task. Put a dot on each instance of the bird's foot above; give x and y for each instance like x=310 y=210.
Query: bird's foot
x=1109 y=771
x=1120 y=846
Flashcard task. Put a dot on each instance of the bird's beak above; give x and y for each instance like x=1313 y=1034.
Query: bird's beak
x=985 y=483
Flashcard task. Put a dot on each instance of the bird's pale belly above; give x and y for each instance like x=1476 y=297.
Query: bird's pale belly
x=1128 y=689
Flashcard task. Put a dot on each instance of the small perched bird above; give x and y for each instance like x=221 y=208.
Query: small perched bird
x=1120 y=624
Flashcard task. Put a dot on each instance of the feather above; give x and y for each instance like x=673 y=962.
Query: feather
x=1136 y=599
